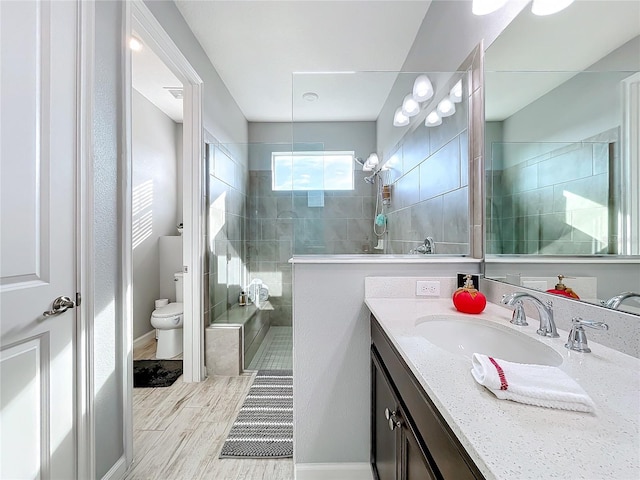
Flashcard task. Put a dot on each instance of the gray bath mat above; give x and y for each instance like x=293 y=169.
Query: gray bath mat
x=264 y=427
x=156 y=373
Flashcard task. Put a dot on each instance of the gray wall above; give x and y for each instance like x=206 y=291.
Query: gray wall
x=107 y=248
x=584 y=106
x=154 y=162
x=331 y=355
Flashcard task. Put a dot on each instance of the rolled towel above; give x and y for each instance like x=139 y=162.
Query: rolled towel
x=531 y=384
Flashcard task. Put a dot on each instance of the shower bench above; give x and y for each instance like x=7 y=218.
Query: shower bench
x=233 y=338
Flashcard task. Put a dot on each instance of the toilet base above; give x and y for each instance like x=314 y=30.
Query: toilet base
x=169 y=343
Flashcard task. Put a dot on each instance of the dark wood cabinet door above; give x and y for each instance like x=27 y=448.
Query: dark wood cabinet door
x=385 y=443
x=414 y=464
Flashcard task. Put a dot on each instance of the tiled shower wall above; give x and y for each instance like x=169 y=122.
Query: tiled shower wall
x=282 y=224
x=429 y=173
x=225 y=212
x=553 y=199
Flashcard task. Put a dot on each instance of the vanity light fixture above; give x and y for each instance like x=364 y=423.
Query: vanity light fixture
x=548 y=7
x=446 y=108
x=372 y=160
x=455 y=95
x=433 y=119
x=400 y=119
x=410 y=107
x=422 y=89
x=485 y=7
x=135 y=44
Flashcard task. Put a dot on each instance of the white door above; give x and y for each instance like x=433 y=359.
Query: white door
x=38 y=49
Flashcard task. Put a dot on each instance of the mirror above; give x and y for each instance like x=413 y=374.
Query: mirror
x=561 y=150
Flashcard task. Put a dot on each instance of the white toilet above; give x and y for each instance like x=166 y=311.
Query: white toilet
x=168 y=321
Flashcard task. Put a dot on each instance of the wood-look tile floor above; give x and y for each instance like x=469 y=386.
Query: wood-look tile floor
x=147 y=351
x=178 y=432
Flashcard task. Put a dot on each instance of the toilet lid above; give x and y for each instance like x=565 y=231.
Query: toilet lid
x=170 y=310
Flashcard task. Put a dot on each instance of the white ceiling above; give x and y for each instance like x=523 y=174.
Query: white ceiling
x=262 y=49
x=564 y=43
x=257 y=46
x=150 y=76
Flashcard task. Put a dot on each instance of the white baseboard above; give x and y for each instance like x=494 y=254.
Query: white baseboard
x=333 y=471
x=142 y=339
x=117 y=471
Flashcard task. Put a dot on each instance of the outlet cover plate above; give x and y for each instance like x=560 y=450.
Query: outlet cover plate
x=428 y=288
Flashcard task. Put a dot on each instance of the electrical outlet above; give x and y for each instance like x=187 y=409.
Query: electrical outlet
x=475 y=278
x=429 y=288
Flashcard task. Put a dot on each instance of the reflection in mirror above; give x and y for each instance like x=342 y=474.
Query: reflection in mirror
x=562 y=150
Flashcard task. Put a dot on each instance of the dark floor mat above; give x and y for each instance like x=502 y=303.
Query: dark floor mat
x=156 y=373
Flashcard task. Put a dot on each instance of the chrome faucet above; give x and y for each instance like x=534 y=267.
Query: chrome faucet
x=578 y=337
x=614 y=302
x=428 y=247
x=545 y=312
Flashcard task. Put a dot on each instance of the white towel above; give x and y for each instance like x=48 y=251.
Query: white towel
x=532 y=384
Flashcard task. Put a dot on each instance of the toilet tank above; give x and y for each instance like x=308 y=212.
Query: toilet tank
x=177 y=277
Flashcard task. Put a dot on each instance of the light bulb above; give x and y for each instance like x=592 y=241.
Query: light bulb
x=373 y=159
x=135 y=44
x=455 y=95
x=422 y=89
x=433 y=119
x=484 y=7
x=548 y=7
x=410 y=107
x=400 y=119
x=446 y=108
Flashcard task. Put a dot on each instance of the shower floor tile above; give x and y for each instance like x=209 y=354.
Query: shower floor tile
x=275 y=352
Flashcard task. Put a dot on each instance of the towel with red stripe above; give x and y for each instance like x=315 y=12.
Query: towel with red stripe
x=531 y=384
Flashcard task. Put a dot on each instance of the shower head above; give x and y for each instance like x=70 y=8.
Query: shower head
x=359 y=161
x=371 y=178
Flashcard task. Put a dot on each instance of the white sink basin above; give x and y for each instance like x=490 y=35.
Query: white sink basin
x=466 y=336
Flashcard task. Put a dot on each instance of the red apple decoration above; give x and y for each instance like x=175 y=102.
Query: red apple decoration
x=467 y=299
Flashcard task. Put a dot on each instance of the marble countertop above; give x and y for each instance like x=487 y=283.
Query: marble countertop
x=509 y=440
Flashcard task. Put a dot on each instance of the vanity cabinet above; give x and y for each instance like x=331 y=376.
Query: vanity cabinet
x=409 y=438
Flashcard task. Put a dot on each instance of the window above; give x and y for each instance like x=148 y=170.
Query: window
x=312 y=170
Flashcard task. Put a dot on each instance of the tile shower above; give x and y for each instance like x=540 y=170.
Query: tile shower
x=284 y=223
x=429 y=174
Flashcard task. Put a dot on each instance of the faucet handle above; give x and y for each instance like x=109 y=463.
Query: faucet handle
x=577 y=340
x=518 y=317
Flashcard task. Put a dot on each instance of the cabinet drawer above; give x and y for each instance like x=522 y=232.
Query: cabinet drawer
x=451 y=459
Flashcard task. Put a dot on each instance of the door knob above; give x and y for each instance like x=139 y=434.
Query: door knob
x=60 y=305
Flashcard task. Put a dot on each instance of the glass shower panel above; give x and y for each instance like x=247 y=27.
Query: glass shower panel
x=416 y=184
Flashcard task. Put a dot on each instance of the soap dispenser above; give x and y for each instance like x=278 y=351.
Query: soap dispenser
x=242 y=299
x=468 y=299
x=562 y=289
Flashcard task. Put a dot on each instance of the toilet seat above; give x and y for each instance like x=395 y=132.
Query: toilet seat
x=170 y=310
x=168 y=317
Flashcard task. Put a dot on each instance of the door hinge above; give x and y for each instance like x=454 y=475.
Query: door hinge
x=78 y=299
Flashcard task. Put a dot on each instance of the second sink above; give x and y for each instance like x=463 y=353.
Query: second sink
x=465 y=336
